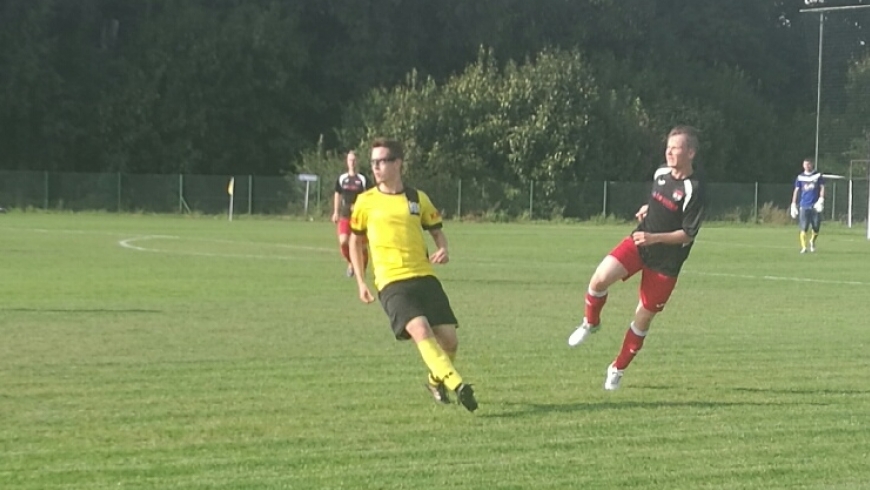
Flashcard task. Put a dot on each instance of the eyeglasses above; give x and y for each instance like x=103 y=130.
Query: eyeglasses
x=381 y=161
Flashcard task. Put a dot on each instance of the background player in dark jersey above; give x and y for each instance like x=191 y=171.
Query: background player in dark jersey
x=347 y=187
x=808 y=202
x=657 y=248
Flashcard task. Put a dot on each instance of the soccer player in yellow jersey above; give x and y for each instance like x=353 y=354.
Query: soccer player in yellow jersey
x=391 y=217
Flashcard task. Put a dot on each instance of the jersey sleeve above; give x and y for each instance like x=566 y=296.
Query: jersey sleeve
x=359 y=216
x=693 y=214
x=430 y=217
x=338 y=185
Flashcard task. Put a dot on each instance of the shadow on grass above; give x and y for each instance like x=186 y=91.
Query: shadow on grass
x=79 y=310
x=803 y=391
x=515 y=409
x=520 y=282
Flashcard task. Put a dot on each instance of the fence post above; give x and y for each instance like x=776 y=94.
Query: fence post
x=45 y=193
x=604 y=204
x=180 y=194
x=459 y=200
x=755 y=205
x=531 y=199
x=119 y=192
x=250 y=194
x=319 y=199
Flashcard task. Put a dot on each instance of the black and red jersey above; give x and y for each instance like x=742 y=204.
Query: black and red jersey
x=674 y=204
x=349 y=186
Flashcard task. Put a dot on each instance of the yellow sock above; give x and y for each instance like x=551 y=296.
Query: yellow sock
x=803 y=239
x=432 y=379
x=439 y=364
x=813 y=238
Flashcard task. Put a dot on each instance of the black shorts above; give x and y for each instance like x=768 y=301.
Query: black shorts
x=419 y=296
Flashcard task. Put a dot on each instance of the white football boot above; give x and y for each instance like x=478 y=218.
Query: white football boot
x=614 y=376
x=583 y=331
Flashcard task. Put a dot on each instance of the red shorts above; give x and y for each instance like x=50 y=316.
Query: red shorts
x=655 y=287
x=344 y=226
x=344 y=229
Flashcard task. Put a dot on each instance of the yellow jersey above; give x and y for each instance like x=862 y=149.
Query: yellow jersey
x=393 y=225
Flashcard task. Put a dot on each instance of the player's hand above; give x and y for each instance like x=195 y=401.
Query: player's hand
x=819 y=206
x=335 y=217
x=641 y=238
x=641 y=213
x=365 y=295
x=440 y=256
x=793 y=211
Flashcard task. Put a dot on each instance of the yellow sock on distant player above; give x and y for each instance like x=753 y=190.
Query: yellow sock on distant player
x=439 y=364
x=803 y=239
x=813 y=238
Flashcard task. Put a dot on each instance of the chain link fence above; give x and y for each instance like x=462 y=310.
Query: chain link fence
x=466 y=199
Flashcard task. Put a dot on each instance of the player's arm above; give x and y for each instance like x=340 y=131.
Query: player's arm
x=819 y=205
x=678 y=237
x=431 y=221
x=441 y=256
x=692 y=218
x=357 y=260
x=793 y=209
x=336 y=199
x=642 y=212
x=336 y=202
x=358 y=225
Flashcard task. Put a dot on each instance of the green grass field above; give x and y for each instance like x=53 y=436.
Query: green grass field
x=169 y=352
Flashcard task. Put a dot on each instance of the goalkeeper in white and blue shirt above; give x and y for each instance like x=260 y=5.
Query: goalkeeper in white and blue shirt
x=807 y=204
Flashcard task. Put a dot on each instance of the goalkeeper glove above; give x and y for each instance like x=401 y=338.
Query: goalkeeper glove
x=819 y=206
x=793 y=211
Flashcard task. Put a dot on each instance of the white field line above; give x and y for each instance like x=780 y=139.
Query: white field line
x=128 y=243
x=778 y=278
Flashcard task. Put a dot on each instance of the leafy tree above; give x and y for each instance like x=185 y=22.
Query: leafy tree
x=546 y=120
x=210 y=91
x=857 y=116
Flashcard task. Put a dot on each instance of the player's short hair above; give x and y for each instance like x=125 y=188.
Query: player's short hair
x=395 y=147
x=689 y=132
x=810 y=161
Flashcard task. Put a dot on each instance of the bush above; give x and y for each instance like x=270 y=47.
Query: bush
x=769 y=214
x=738 y=215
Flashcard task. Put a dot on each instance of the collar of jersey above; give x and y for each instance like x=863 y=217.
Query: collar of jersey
x=391 y=193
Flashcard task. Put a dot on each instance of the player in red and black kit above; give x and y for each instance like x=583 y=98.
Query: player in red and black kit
x=657 y=248
x=348 y=185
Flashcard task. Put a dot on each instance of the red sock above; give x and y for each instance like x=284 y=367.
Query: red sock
x=345 y=252
x=630 y=347
x=594 y=304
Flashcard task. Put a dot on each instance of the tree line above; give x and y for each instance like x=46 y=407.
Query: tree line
x=510 y=91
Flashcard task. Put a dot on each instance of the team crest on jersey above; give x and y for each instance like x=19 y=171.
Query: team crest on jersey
x=414 y=208
x=678 y=195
